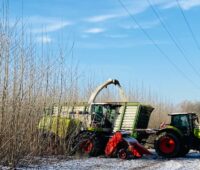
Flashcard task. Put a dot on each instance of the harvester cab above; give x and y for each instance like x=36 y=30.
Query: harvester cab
x=181 y=135
x=103 y=115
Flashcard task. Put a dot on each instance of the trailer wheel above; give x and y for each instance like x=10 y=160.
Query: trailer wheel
x=167 y=145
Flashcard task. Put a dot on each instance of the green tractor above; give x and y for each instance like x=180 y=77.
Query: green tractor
x=181 y=135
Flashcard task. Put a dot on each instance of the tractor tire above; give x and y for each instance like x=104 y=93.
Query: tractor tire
x=167 y=145
x=184 y=150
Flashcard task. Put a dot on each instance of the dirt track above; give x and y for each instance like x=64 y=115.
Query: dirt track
x=191 y=161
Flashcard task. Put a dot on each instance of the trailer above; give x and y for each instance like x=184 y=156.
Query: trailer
x=126 y=116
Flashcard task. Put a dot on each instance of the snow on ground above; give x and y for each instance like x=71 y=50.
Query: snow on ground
x=191 y=161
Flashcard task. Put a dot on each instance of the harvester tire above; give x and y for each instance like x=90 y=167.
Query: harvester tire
x=87 y=144
x=96 y=147
x=167 y=145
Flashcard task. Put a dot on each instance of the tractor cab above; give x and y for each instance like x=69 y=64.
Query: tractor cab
x=103 y=115
x=185 y=122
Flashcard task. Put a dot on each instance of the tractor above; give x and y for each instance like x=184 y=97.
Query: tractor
x=178 y=137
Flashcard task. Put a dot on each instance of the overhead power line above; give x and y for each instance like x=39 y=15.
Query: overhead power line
x=174 y=40
x=188 y=25
x=158 y=47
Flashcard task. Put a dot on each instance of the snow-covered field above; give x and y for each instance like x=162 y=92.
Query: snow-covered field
x=191 y=161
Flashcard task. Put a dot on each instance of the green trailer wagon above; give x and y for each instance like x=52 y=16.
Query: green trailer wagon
x=122 y=116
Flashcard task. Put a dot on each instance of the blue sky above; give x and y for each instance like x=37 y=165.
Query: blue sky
x=109 y=44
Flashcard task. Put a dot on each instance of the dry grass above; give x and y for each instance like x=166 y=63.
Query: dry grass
x=29 y=82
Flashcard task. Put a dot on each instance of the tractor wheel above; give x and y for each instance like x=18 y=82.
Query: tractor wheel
x=167 y=145
x=184 y=150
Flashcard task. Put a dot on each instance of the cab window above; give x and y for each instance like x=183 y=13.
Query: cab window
x=180 y=121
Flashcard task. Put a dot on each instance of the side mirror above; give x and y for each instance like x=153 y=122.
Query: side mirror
x=196 y=118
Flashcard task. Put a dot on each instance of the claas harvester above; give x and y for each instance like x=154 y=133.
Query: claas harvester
x=110 y=135
x=106 y=128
